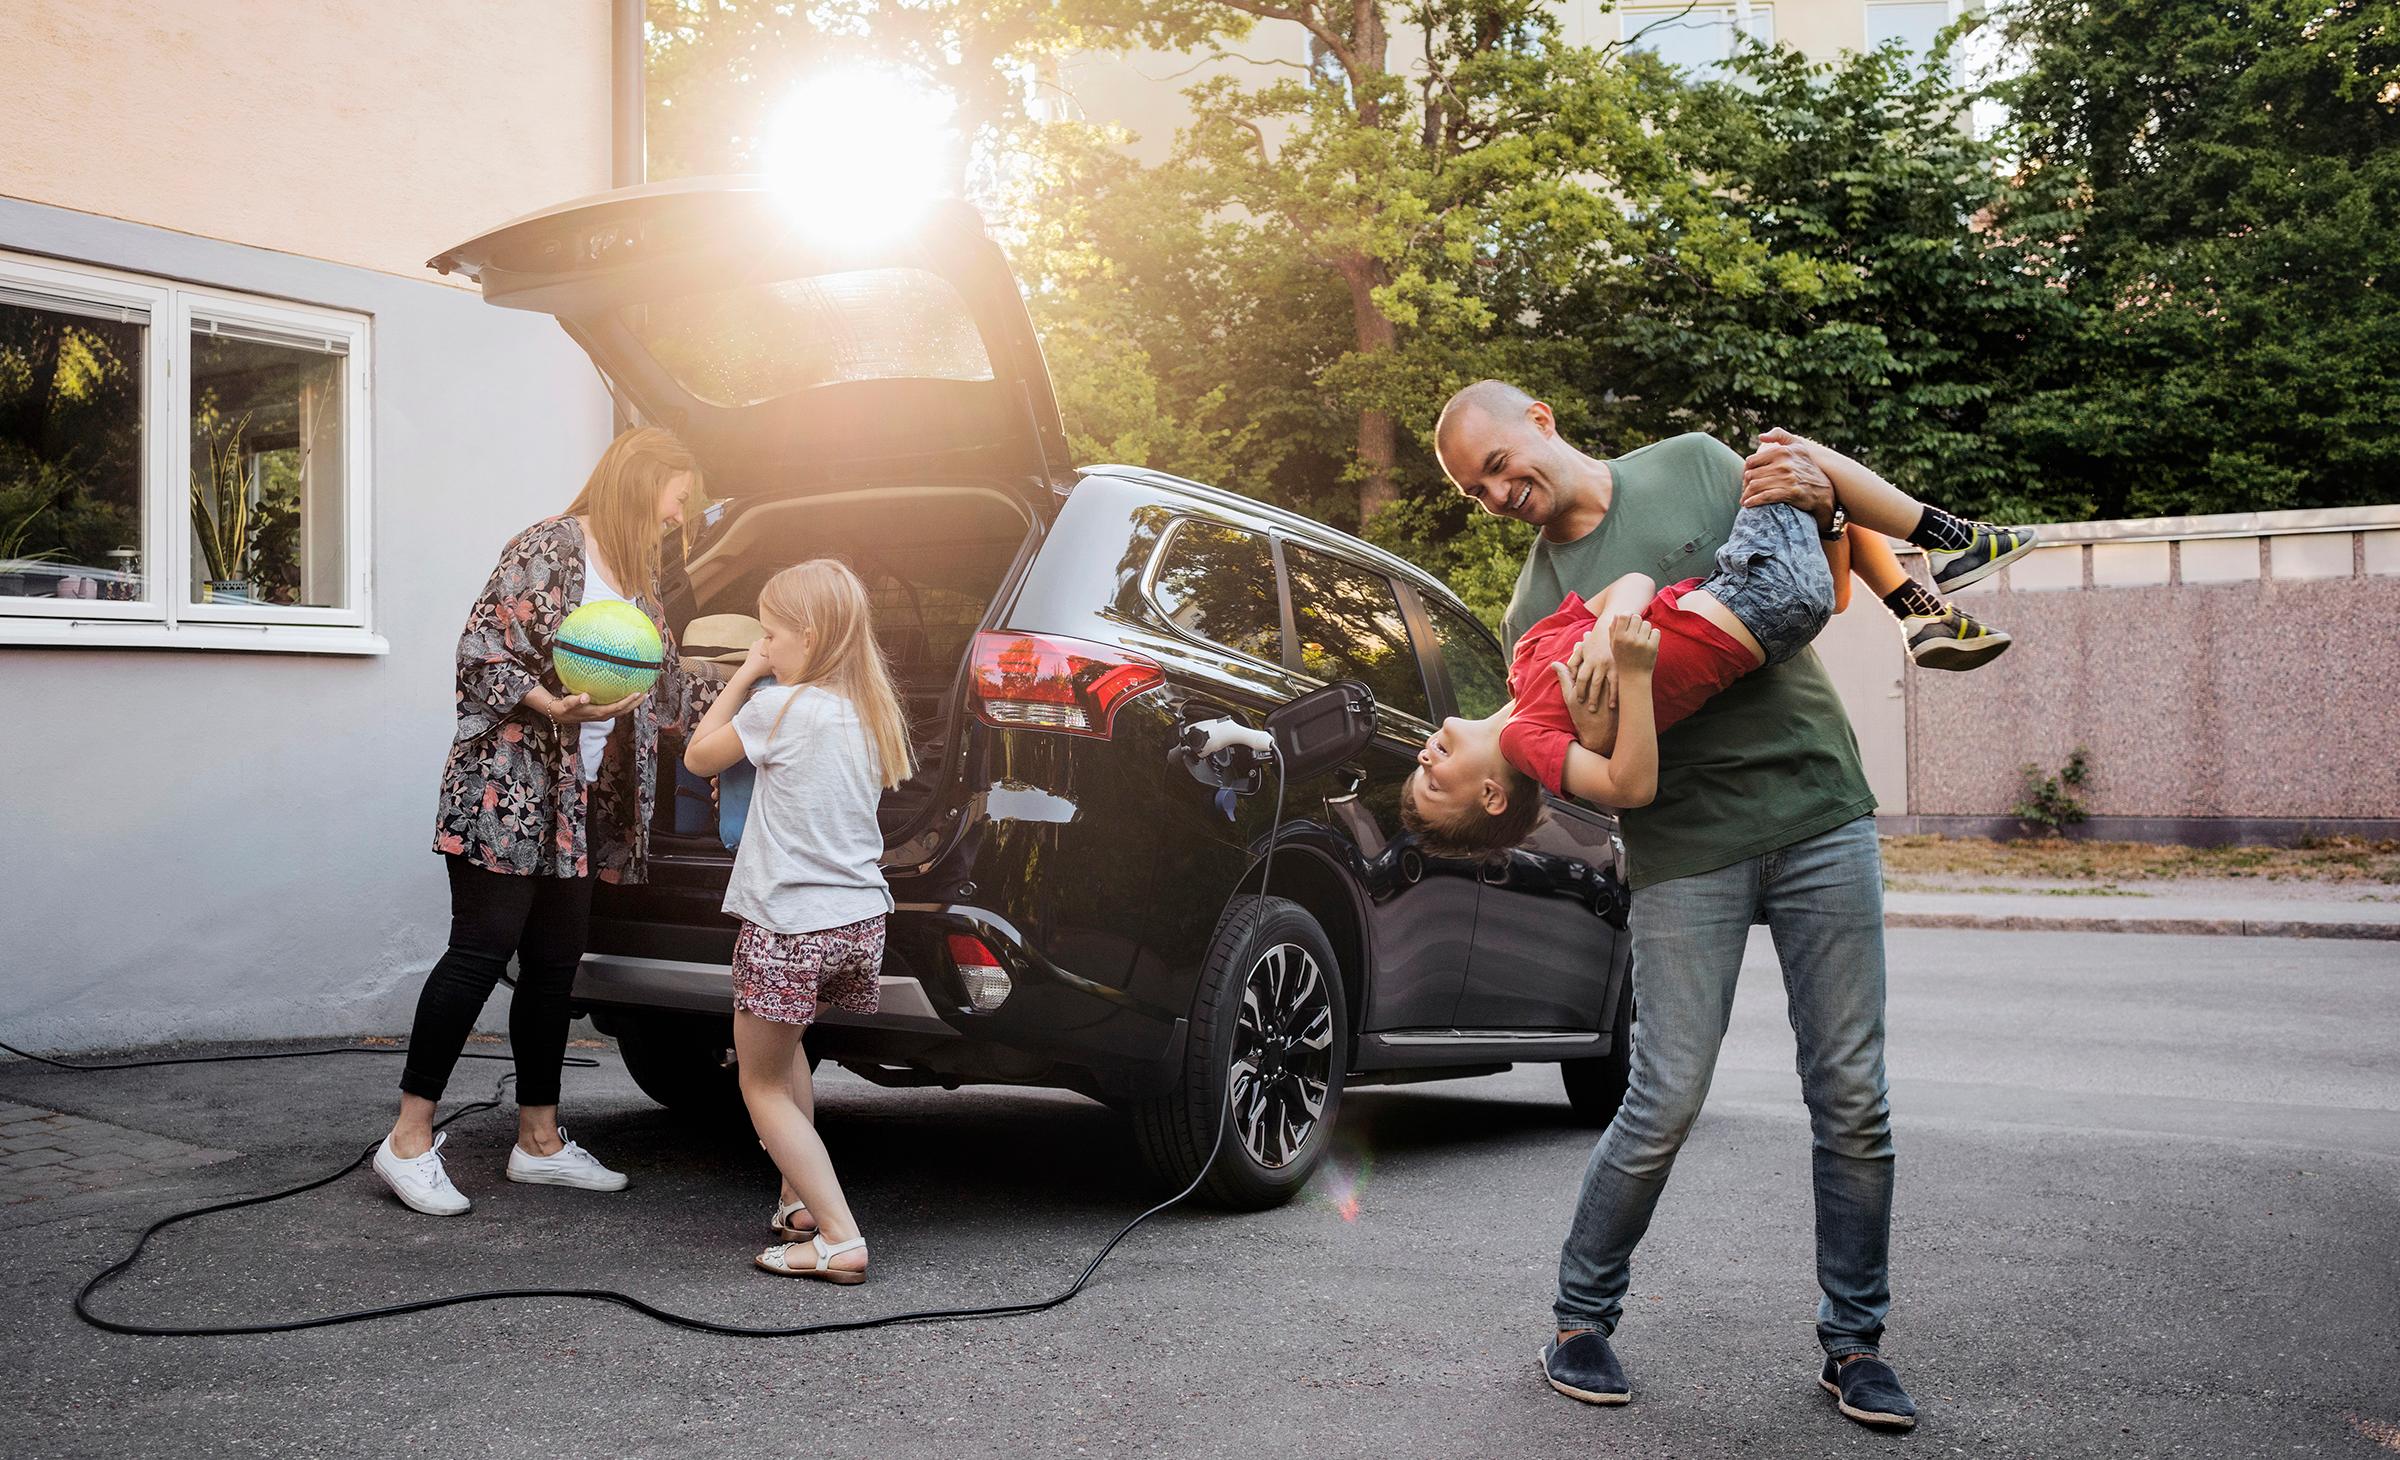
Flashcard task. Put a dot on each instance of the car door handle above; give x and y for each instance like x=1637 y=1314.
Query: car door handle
x=1346 y=780
x=1494 y=874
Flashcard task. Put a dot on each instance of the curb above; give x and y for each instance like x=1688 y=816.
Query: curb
x=2220 y=927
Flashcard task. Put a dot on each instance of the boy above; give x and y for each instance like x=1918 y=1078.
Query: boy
x=1474 y=790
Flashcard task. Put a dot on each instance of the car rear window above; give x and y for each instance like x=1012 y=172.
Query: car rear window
x=1218 y=583
x=760 y=342
x=1351 y=628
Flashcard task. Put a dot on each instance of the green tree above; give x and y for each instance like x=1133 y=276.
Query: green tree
x=2226 y=179
x=1926 y=314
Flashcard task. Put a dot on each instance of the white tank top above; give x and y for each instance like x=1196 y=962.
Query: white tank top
x=595 y=733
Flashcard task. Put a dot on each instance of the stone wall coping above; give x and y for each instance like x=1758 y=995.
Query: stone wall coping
x=2222 y=524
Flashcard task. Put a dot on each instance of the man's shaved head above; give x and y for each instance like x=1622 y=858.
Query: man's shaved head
x=1494 y=400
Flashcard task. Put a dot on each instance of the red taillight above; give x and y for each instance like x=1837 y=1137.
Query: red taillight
x=1041 y=682
x=967 y=951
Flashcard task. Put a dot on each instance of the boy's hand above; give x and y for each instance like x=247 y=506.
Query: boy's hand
x=1633 y=645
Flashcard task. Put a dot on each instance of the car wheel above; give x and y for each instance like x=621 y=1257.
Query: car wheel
x=681 y=1063
x=1270 y=1026
x=1596 y=1087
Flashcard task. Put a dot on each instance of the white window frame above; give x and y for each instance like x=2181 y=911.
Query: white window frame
x=166 y=618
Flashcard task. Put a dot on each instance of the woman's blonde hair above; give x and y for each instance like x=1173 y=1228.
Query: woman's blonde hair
x=825 y=598
x=621 y=502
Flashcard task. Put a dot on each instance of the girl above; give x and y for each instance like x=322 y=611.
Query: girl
x=828 y=737
x=544 y=792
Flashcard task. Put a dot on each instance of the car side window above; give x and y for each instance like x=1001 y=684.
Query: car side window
x=1350 y=627
x=1217 y=583
x=1478 y=675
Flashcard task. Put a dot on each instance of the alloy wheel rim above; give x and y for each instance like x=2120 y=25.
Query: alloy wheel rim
x=1282 y=1055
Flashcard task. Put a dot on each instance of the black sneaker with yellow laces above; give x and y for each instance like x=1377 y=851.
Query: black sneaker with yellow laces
x=1988 y=550
x=1953 y=639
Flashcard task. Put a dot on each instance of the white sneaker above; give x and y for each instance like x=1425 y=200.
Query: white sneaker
x=571 y=1166
x=421 y=1182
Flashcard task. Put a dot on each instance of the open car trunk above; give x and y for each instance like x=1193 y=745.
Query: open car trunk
x=935 y=559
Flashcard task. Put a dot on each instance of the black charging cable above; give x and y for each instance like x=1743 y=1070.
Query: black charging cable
x=106 y=1275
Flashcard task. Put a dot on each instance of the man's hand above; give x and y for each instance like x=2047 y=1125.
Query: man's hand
x=1783 y=470
x=1633 y=645
x=1591 y=676
x=1595 y=724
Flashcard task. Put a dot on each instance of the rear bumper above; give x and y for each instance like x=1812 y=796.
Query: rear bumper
x=612 y=980
x=1055 y=1028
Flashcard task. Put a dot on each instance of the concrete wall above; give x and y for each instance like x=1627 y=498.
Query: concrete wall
x=367 y=134
x=2226 y=674
x=199 y=844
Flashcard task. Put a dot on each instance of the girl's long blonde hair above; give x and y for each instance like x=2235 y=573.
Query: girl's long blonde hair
x=823 y=597
x=621 y=502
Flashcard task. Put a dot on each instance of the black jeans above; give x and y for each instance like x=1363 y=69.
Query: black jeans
x=543 y=921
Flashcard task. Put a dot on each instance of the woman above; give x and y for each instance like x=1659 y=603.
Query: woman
x=544 y=792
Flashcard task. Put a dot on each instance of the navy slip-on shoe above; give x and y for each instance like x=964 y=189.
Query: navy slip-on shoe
x=1868 y=1390
x=1585 y=1368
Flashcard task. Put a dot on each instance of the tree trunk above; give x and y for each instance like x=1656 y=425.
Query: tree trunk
x=1378 y=438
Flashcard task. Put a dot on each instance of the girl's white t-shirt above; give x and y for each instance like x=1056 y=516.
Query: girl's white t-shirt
x=810 y=842
x=596 y=732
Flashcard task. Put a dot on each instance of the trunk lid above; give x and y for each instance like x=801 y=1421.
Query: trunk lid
x=792 y=359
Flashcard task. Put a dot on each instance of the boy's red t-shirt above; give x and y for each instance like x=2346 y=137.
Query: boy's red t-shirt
x=1695 y=660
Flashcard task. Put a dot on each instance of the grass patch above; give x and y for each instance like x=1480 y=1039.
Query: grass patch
x=1919 y=884
x=2327 y=859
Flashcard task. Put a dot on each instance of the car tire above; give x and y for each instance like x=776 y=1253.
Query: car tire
x=1265 y=950
x=1596 y=1087
x=680 y=1062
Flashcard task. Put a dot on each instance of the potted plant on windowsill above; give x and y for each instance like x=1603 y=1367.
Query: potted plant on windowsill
x=13 y=557
x=221 y=516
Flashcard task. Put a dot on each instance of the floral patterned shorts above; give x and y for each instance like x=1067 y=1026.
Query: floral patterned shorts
x=786 y=976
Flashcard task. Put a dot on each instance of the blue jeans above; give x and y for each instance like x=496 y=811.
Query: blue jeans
x=1823 y=901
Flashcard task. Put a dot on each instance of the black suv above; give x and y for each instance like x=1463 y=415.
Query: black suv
x=1072 y=901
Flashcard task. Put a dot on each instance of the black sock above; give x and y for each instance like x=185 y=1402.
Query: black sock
x=1938 y=529
x=1912 y=600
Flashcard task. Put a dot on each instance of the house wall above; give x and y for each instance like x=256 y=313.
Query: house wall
x=365 y=134
x=219 y=844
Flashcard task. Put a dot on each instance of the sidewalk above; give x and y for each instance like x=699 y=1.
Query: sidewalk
x=2237 y=908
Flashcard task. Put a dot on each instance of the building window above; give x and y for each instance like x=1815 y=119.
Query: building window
x=179 y=467
x=1697 y=39
x=1913 y=23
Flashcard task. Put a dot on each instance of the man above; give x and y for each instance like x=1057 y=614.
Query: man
x=1762 y=815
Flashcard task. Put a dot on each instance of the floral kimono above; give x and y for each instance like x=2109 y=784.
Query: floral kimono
x=513 y=794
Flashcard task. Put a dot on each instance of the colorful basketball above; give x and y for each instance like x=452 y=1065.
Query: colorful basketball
x=607 y=649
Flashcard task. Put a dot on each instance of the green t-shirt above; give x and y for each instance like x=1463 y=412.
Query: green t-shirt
x=1769 y=762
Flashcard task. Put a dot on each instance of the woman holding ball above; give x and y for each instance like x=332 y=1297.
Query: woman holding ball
x=544 y=791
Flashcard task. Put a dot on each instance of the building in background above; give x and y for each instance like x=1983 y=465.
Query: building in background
x=255 y=461
x=1142 y=91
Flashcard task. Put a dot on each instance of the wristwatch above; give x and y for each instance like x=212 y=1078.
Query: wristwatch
x=1840 y=524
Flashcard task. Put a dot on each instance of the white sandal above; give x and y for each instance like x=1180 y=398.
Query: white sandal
x=778 y=1260
x=786 y=1228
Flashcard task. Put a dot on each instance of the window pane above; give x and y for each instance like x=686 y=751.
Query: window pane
x=1696 y=39
x=1478 y=675
x=70 y=455
x=267 y=469
x=1218 y=583
x=738 y=347
x=1913 y=25
x=1350 y=628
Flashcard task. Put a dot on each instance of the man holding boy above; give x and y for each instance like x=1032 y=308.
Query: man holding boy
x=1762 y=814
